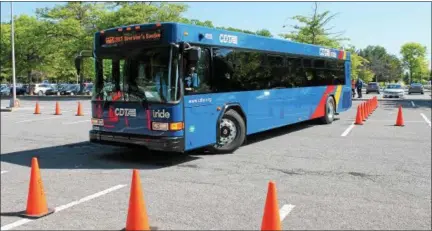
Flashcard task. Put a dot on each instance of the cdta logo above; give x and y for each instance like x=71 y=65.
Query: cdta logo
x=224 y=38
x=161 y=114
x=131 y=112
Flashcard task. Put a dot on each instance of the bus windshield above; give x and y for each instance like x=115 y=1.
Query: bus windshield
x=147 y=74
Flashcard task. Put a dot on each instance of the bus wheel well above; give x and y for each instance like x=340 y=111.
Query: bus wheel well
x=239 y=110
x=334 y=100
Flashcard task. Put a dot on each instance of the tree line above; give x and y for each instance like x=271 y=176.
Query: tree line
x=45 y=44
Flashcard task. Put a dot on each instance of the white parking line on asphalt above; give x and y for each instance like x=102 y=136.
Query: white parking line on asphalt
x=76 y=122
x=24 y=121
x=426 y=119
x=285 y=210
x=345 y=133
x=63 y=207
x=406 y=121
x=3 y=172
x=412 y=103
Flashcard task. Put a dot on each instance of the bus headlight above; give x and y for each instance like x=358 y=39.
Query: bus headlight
x=157 y=126
x=97 y=122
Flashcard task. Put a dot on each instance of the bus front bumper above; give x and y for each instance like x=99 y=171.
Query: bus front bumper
x=169 y=144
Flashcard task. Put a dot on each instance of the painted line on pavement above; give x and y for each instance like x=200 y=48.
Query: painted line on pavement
x=63 y=207
x=285 y=210
x=24 y=121
x=406 y=121
x=412 y=103
x=426 y=119
x=3 y=172
x=76 y=122
x=345 y=133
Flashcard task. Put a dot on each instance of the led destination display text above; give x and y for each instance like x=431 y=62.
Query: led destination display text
x=145 y=36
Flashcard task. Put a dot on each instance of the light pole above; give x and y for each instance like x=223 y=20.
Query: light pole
x=13 y=100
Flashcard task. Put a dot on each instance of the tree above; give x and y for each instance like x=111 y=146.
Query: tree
x=414 y=60
x=264 y=32
x=378 y=61
x=5 y=52
x=313 y=29
x=394 y=69
x=359 y=66
x=30 y=46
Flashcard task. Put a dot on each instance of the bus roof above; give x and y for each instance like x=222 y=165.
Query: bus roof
x=211 y=36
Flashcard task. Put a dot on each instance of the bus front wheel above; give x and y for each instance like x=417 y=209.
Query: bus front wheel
x=330 y=109
x=232 y=133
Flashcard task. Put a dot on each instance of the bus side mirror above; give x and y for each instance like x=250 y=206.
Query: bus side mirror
x=78 y=65
x=194 y=54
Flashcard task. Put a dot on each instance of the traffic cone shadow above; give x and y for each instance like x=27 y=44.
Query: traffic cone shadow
x=37 y=109
x=137 y=214
x=57 y=109
x=37 y=206
x=271 y=218
x=399 y=119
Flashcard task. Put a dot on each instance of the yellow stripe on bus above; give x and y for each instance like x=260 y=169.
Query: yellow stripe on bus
x=338 y=94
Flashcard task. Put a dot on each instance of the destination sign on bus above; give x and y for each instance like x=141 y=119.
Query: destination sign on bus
x=133 y=36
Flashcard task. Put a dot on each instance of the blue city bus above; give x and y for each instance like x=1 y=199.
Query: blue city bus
x=177 y=87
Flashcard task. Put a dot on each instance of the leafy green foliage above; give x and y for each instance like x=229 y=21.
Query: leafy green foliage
x=313 y=29
x=45 y=45
x=385 y=67
x=414 y=60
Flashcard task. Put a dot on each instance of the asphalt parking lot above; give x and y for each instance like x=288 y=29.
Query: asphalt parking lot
x=338 y=176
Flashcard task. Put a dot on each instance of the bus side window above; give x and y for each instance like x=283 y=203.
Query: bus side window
x=223 y=69
x=200 y=84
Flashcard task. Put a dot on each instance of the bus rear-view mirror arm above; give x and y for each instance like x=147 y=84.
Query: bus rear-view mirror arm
x=78 y=59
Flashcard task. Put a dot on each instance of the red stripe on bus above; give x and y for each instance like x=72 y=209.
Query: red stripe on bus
x=148 y=119
x=320 y=110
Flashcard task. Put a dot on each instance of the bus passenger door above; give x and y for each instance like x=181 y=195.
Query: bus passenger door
x=200 y=114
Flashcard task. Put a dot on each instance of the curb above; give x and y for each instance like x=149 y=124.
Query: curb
x=7 y=109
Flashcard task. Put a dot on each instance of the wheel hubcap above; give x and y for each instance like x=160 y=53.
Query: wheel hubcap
x=228 y=132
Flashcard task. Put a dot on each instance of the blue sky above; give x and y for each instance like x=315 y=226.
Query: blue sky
x=389 y=24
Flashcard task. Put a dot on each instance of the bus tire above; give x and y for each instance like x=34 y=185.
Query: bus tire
x=228 y=142
x=330 y=109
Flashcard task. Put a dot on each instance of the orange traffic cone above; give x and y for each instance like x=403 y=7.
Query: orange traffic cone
x=79 y=110
x=375 y=103
x=359 y=119
x=363 y=111
x=271 y=218
x=57 y=109
x=137 y=215
x=399 y=119
x=369 y=103
x=37 y=109
x=36 y=202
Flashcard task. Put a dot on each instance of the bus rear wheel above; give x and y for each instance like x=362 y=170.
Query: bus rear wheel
x=330 y=109
x=232 y=133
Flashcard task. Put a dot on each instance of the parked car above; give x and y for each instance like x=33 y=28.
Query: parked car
x=373 y=87
x=53 y=90
x=72 y=89
x=41 y=88
x=19 y=90
x=5 y=90
x=88 y=89
x=416 y=88
x=394 y=90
